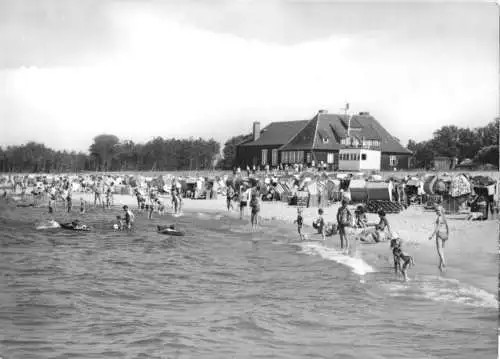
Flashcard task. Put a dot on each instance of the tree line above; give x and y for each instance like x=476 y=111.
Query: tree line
x=480 y=145
x=109 y=153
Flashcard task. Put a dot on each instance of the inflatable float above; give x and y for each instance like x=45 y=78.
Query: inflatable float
x=169 y=230
x=75 y=227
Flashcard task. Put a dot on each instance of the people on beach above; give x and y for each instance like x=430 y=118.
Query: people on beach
x=382 y=231
x=245 y=194
x=118 y=226
x=229 y=197
x=69 y=200
x=129 y=217
x=300 y=222
x=320 y=223
x=161 y=207
x=344 y=218
x=402 y=260
x=150 y=211
x=361 y=217
x=255 y=209
x=109 y=195
x=441 y=231
x=97 y=196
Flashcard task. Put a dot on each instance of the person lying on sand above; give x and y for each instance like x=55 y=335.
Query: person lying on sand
x=402 y=260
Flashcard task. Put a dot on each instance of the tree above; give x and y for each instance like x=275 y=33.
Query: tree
x=229 y=151
x=488 y=154
x=104 y=149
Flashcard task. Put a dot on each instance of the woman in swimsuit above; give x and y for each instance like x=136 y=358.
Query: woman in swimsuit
x=441 y=231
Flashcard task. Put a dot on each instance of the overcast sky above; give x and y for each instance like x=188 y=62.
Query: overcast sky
x=70 y=70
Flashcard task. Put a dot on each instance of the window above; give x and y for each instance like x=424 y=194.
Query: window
x=264 y=157
x=284 y=157
x=274 y=157
x=363 y=157
x=292 y=157
x=301 y=156
x=308 y=157
x=393 y=161
x=329 y=157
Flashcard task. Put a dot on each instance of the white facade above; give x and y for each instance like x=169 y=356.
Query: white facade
x=358 y=159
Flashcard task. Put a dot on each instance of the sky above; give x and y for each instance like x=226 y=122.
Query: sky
x=70 y=70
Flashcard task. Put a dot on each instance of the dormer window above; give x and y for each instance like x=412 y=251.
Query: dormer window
x=325 y=140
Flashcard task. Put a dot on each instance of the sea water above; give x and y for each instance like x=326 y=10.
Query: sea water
x=227 y=291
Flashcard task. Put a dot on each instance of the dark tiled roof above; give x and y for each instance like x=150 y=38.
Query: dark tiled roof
x=325 y=131
x=277 y=133
x=303 y=140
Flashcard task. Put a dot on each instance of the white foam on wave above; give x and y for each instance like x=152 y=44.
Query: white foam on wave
x=357 y=264
x=48 y=225
x=441 y=289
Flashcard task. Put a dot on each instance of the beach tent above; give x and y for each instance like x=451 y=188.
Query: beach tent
x=429 y=183
x=357 y=188
x=484 y=185
x=379 y=191
x=375 y=178
x=459 y=186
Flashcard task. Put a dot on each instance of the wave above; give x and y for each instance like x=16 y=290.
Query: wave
x=48 y=225
x=443 y=290
x=357 y=264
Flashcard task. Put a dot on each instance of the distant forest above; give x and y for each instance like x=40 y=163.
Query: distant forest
x=108 y=153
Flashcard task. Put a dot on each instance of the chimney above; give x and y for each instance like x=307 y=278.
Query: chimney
x=256 y=130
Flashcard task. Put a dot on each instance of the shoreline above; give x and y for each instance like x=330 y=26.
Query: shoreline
x=470 y=244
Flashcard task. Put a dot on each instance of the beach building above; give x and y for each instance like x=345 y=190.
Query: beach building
x=443 y=163
x=359 y=159
x=320 y=140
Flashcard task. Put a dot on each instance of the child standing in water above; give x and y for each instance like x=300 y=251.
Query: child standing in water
x=321 y=224
x=129 y=217
x=82 y=205
x=441 y=231
x=255 y=206
x=300 y=222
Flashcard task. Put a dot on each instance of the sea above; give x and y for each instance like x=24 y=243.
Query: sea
x=224 y=290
